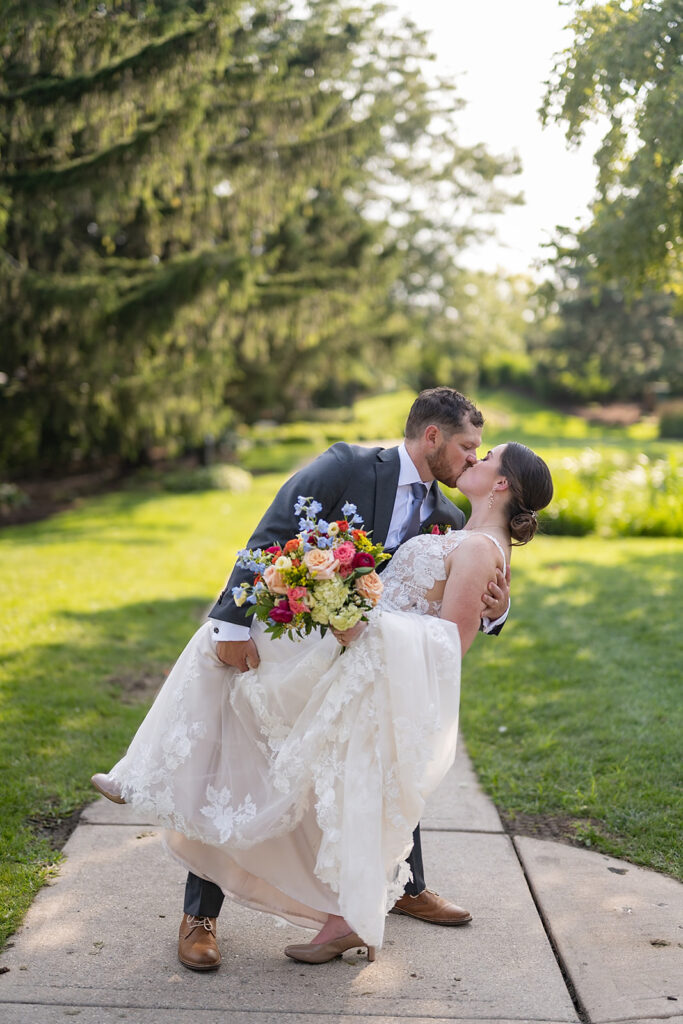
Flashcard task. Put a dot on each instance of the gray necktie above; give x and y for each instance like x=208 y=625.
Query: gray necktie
x=412 y=527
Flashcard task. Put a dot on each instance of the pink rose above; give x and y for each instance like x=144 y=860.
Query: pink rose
x=370 y=587
x=321 y=563
x=281 y=612
x=363 y=560
x=297 y=599
x=274 y=581
x=435 y=529
x=345 y=571
x=345 y=553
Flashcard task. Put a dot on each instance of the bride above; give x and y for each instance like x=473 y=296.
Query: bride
x=296 y=786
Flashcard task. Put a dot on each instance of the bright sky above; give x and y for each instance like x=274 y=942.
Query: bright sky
x=501 y=52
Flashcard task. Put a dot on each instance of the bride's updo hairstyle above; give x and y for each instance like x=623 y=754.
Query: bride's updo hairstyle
x=530 y=487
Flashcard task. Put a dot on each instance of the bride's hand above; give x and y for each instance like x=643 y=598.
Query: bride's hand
x=347 y=636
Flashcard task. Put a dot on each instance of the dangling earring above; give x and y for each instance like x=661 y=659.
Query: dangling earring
x=491 y=500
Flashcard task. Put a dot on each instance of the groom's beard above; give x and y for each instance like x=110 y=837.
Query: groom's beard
x=442 y=467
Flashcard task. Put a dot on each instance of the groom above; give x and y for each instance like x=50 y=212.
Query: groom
x=397 y=494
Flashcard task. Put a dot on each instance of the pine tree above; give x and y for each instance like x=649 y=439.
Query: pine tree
x=198 y=206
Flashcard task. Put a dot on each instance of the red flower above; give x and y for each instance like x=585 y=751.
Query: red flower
x=291 y=545
x=358 y=533
x=435 y=529
x=275 y=550
x=281 y=612
x=343 y=525
x=363 y=560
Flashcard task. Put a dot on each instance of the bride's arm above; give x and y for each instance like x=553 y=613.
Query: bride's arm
x=470 y=566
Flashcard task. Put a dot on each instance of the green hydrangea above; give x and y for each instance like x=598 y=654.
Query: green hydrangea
x=346 y=617
x=327 y=597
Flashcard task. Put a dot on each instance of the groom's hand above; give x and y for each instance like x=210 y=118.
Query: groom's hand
x=497 y=597
x=239 y=654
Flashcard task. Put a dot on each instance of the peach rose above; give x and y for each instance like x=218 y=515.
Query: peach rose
x=274 y=581
x=321 y=563
x=370 y=587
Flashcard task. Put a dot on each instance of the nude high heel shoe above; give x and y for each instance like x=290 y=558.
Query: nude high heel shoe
x=109 y=789
x=308 y=953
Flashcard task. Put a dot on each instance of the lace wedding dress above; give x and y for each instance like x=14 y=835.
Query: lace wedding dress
x=296 y=786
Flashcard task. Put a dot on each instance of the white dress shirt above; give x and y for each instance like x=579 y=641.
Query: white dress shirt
x=403 y=503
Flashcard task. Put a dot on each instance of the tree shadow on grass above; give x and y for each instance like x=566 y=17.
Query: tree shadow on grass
x=634 y=600
x=67 y=707
x=94 y=517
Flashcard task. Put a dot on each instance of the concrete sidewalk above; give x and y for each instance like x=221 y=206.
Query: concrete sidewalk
x=559 y=934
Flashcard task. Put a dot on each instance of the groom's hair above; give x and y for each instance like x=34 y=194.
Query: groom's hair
x=445 y=407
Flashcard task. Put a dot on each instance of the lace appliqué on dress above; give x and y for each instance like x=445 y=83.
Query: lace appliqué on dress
x=416 y=567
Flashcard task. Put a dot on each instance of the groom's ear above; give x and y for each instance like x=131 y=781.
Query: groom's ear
x=431 y=434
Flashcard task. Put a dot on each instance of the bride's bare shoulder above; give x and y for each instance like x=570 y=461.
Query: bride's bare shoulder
x=471 y=547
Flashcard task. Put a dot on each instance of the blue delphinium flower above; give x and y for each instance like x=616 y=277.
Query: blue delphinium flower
x=350 y=513
x=301 y=503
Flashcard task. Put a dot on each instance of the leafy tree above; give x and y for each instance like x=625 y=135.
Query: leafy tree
x=625 y=66
x=609 y=347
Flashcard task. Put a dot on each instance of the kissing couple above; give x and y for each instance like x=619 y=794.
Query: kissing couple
x=291 y=776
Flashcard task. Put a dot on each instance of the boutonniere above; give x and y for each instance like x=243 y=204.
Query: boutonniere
x=439 y=529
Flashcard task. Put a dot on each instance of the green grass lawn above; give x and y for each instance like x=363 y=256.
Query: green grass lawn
x=96 y=603
x=575 y=710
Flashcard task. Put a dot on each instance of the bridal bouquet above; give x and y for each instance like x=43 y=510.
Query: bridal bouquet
x=324 y=576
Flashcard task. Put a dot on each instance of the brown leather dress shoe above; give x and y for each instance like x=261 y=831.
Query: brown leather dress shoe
x=197 y=947
x=431 y=907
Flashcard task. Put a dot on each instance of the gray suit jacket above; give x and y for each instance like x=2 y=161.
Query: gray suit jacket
x=367 y=477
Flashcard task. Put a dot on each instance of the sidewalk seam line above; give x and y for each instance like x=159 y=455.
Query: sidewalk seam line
x=424 y=828
x=291 y=1013
x=581 y=1010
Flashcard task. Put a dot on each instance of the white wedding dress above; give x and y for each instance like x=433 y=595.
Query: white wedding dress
x=296 y=787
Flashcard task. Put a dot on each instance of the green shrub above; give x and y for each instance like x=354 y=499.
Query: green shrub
x=617 y=493
x=671 y=420
x=11 y=498
x=563 y=519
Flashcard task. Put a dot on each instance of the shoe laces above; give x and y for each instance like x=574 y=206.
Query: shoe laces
x=199 y=922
